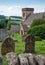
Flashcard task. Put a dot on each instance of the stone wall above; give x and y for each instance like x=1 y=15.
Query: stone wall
x=25 y=59
x=3 y=34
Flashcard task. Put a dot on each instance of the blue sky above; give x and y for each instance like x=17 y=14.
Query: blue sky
x=14 y=7
x=21 y=2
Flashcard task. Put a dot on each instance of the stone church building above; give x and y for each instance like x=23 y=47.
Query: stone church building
x=28 y=15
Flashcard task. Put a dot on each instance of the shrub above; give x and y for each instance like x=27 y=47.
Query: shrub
x=8 y=27
x=38 y=22
x=38 y=31
x=3 y=23
x=38 y=38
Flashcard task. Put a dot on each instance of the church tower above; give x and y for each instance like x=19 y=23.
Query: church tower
x=26 y=12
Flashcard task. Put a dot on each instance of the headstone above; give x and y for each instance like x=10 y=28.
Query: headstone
x=0 y=59
x=8 y=45
x=29 y=43
x=11 y=59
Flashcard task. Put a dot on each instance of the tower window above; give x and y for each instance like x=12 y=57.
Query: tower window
x=23 y=14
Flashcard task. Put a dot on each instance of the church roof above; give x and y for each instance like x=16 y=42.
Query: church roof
x=33 y=16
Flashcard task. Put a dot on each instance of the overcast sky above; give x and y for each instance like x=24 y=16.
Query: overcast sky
x=14 y=7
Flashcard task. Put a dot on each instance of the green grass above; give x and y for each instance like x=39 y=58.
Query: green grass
x=18 y=22
x=4 y=62
x=20 y=47
x=40 y=47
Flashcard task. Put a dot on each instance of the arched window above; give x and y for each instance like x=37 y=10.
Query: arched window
x=23 y=14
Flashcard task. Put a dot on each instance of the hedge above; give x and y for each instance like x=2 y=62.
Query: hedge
x=38 y=38
x=38 y=31
x=37 y=22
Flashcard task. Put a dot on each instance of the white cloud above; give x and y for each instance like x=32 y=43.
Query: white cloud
x=17 y=10
x=10 y=10
x=37 y=8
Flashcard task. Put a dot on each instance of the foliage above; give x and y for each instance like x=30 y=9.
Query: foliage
x=3 y=23
x=38 y=31
x=4 y=62
x=8 y=26
x=7 y=22
x=20 y=46
x=13 y=22
x=38 y=38
x=37 y=22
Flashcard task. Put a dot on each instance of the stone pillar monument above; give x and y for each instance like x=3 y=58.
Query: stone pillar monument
x=29 y=43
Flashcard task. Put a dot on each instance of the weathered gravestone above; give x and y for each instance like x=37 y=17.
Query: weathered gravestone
x=29 y=43
x=11 y=59
x=8 y=45
x=0 y=59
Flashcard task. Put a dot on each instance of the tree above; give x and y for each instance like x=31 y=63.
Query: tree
x=37 y=28
x=37 y=22
x=3 y=23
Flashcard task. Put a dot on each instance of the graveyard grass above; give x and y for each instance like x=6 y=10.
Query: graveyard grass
x=20 y=47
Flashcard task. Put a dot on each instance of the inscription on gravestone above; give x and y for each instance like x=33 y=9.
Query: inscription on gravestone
x=29 y=43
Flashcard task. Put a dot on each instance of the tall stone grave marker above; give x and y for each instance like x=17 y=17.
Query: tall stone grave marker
x=8 y=45
x=29 y=43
